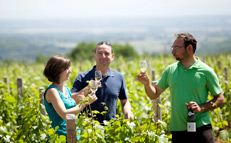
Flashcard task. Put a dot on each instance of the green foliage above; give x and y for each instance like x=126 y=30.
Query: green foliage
x=122 y=131
x=85 y=51
x=126 y=51
x=55 y=138
x=21 y=120
x=41 y=58
x=225 y=135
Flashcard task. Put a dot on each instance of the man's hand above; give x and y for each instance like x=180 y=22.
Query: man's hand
x=93 y=82
x=126 y=107
x=129 y=115
x=194 y=106
x=143 y=78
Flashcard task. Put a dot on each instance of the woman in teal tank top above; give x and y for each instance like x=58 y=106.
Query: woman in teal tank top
x=58 y=100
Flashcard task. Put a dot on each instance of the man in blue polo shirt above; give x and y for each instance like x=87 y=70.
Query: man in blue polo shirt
x=189 y=81
x=112 y=85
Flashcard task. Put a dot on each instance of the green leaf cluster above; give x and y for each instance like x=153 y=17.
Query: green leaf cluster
x=21 y=120
x=85 y=51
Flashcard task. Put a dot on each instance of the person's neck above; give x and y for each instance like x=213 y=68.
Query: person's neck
x=60 y=86
x=104 y=70
x=188 y=61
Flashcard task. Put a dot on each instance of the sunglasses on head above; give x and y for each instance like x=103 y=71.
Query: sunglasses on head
x=104 y=42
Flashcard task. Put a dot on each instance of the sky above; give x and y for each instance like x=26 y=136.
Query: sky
x=72 y=9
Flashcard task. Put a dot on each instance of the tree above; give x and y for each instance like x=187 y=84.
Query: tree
x=84 y=51
x=41 y=58
x=126 y=51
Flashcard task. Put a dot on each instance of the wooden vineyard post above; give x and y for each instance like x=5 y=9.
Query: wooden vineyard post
x=226 y=86
x=156 y=102
x=20 y=87
x=153 y=75
x=41 y=91
x=80 y=65
x=226 y=76
x=219 y=64
x=7 y=84
x=149 y=68
x=71 y=128
x=119 y=69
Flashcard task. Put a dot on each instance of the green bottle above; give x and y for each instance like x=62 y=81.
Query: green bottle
x=191 y=121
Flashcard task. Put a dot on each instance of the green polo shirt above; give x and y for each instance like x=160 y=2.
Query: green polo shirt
x=192 y=84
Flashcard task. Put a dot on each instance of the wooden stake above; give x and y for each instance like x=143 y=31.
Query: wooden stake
x=20 y=87
x=71 y=128
x=119 y=69
x=226 y=76
x=219 y=64
x=156 y=102
x=41 y=92
x=226 y=73
x=7 y=84
x=149 y=68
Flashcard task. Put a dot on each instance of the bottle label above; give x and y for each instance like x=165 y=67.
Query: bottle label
x=190 y=113
x=191 y=126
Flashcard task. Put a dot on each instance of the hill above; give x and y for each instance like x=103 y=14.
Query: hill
x=25 y=39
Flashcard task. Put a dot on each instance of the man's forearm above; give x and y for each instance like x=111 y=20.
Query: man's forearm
x=217 y=101
x=126 y=107
x=150 y=91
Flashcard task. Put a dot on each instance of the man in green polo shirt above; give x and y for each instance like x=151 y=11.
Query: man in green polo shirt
x=190 y=82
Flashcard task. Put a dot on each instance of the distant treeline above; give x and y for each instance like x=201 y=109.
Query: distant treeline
x=22 y=50
x=85 y=51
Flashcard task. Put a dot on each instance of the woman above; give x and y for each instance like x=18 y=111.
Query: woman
x=58 y=100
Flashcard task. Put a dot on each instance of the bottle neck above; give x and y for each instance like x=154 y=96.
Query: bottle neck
x=190 y=110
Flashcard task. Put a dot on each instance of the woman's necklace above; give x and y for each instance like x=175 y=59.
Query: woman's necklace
x=62 y=90
x=65 y=94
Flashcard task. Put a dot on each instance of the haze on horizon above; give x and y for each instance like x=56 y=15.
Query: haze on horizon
x=73 y=9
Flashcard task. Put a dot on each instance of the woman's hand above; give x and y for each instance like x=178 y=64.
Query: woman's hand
x=90 y=98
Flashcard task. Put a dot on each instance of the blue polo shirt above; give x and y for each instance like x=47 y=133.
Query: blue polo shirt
x=113 y=87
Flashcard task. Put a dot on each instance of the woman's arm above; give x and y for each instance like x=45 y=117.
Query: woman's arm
x=52 y=96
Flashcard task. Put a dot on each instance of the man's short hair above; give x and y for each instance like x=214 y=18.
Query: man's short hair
x=106 y=43
x=188 y=40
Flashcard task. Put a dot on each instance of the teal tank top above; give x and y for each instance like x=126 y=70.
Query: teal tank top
x=53 y=115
